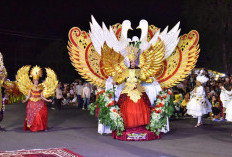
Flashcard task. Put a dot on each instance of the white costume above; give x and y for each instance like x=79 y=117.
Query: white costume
x=225 y=98
x=228 y=95
x=152 y=90
x=199 y=104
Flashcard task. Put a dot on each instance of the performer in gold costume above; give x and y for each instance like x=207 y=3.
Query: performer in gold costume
x=107 y=55
x=3 y=76
x=134 y=102
x=37 y=94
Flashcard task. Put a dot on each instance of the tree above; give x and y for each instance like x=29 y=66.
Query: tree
x=213 y=20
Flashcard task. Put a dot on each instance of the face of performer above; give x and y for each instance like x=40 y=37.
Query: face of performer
x=198 y=83
x=36 y=82
x=133 y=64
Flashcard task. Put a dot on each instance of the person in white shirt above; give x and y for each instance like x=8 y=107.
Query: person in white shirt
x=228 y=95
x=86 y=92
x=225 y=97
x=59 y=96
x=79 y=93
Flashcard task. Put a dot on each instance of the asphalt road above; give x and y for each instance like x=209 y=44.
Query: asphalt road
x=77 y=130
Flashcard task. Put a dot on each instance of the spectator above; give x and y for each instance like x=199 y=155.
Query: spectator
x=59 y=96
x=86 y=92
x=79 y=93
x=183 y=105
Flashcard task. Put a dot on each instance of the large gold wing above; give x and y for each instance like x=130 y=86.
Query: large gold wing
x=150 y=61
x=177 y=66
x=23 y=80
x=50 y=83
x=112 y=61
x=85 y=58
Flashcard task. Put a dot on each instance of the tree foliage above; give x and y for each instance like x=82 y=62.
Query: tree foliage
x=213 y=20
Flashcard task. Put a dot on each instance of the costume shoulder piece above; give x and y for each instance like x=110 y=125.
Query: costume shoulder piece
x=25 y=84
x=104 y=52
x=50 y=83
x=84 y=57
x=23 y=80
x=177 y=66
x=85 y=49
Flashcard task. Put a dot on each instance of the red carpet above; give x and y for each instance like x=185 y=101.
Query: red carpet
x=57 y=152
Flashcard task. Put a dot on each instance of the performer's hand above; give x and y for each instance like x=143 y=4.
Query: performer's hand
x=23 y=101
x=50 y=100
x=114 y=83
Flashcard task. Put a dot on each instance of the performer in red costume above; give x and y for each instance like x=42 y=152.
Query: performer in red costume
x=36 y=110
x=134 y=102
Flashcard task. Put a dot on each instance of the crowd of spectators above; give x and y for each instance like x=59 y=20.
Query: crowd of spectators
x=212 y=88
x=80 y=94
x=77 y=94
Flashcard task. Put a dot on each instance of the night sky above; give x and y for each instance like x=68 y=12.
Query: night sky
x=37 y=33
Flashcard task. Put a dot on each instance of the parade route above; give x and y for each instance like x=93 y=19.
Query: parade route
x=76 y=130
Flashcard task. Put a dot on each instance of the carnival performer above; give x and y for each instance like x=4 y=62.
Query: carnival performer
x=228 y=95
x=199 y=105
x=137 y=67
x=3 y=76
x=37 y=94
x=134 y=103
x=225 y=97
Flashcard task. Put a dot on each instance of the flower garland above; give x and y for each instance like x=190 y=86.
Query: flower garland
x=109 y=113
x=162 y=109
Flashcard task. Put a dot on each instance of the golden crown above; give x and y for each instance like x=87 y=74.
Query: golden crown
x=132 y=52
x=36 y=72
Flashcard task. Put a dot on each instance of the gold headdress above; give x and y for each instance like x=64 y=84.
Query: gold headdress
x=132 y=52
x=36 y=73
x=25 y=84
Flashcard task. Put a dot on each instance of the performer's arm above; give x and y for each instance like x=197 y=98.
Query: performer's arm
x=47 y=100
x=28 y=97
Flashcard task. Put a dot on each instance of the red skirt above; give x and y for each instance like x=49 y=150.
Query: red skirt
x=135 y=114
x=36 y=116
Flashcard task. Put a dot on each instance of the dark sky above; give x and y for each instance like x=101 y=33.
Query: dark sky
x=37 y=33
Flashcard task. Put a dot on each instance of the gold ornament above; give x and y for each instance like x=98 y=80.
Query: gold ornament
x=132 y=52
x=96 y=68
x=36 y=73
x=150 y=61
x=177 y=66
x=25 y=84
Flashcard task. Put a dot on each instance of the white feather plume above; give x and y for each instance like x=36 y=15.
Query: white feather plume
x=170 y=38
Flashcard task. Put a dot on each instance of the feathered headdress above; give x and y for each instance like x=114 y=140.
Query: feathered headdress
x=202 y=79
x=36 y=72
x=132 y=52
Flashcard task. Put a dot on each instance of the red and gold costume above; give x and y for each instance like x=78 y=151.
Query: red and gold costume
x=134 y=102
x=36 y=110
